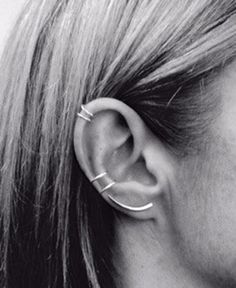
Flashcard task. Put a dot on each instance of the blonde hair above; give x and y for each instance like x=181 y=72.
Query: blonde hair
x=153 y=55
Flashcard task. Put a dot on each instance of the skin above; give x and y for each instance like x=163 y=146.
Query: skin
x=187 y=239
x=206 y=200
x=195 y=245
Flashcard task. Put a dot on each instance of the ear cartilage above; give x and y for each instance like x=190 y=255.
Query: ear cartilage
x=107 y=187
x=88 y=115
x=101 y=176
x=131 y=208
x=98 y=177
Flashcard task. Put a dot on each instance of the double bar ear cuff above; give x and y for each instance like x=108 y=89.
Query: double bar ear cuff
x=127 y=207
x=85 y=114
x=101 y=176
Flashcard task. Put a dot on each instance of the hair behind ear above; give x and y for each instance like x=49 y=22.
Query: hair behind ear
x=96 y=230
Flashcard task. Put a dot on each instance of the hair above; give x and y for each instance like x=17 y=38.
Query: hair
x=156 y=56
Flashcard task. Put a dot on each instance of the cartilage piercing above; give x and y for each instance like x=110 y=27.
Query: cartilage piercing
x=101 y=176
x=88 y=115
x=107 y=187
x=131 y=208
x=127 y=207
x=98 y=177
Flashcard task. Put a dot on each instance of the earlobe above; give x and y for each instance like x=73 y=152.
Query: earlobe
x=115 y=150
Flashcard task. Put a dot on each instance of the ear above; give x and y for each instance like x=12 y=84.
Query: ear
x=125 y=162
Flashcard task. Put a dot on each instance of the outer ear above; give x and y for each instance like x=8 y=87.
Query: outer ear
x=125 y=162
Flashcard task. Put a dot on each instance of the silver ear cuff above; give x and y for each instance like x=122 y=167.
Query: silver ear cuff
x=129 y=208
x=85 y=114
x=98 y=177
x=101 y=176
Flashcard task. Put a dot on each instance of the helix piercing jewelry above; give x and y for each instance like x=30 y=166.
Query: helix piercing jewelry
x=101 y=176
x=131 y=208
x=88 y=115
x=98 y=177
x=107 y=187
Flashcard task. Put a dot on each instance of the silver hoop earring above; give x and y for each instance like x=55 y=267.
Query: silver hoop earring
x=101 y=176
x=131 y=208
x=85 y=114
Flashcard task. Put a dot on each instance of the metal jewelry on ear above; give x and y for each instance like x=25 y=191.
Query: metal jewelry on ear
x=101 y=176
x=85 y=114
x=129 y=208
x=88 y=116
x=98 y=177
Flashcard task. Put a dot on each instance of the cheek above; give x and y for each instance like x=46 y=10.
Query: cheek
x=205 y=216
x=205 y=200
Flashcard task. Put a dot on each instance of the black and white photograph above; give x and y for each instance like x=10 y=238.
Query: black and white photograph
x=117 y=144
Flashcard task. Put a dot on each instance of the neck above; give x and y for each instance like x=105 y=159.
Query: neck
x=141 y=262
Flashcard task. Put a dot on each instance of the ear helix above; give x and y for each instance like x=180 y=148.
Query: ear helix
x=127 y=207
x=85 y=114
x=101 y=176
x=88 y=116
